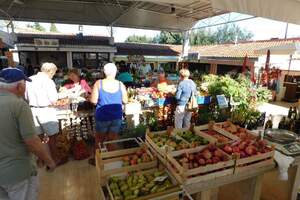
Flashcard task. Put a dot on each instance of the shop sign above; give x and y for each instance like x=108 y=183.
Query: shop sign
x=194 y=56
x=46 y=42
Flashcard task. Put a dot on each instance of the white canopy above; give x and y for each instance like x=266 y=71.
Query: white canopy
x=155 y=14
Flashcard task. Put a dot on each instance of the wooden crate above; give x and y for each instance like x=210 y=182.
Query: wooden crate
x=254 y=162
x=201 y=129
x=199 y=174
x=196 y=132
x=172 y=193
x=229 y=134
x=110 y=163
x=162 y=152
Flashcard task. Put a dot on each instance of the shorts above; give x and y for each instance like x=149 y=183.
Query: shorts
x=24 y=190
x=113 y=126
x=48 y=119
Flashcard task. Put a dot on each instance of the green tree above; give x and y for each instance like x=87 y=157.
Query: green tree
x=202 y=37
x=37 y=26
x=231 y=32
x=166 y=37
x=53 y=28
x=139 y=39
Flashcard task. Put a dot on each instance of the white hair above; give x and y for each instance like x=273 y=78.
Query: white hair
x=48 y=67
x=10 y=85
x=110 y=69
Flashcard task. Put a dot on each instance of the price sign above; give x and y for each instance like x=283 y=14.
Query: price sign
x=160 y=178
x=222 y=101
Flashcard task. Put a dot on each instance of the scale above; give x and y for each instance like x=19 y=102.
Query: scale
x=285 y=141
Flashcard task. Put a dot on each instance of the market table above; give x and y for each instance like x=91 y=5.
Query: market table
x=249 y=185
x=275 y=189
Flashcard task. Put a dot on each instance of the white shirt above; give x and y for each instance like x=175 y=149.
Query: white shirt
x=145 y=69
x=41 y=92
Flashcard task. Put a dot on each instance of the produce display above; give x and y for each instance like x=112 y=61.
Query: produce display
x=192 y=138
x=137 y=185
x=247 y=148
x=208 y=156
x=220 y=138
x=141 y=156
x=236 y=130
x=167 y=140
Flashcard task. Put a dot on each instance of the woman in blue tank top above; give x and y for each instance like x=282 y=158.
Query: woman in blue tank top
x=108 y=95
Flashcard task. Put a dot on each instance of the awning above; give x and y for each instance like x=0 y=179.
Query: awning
x=285 y=49
x=155 y=14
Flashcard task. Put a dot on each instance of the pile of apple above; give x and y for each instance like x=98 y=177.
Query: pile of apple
x=236 y=130
x=220 y=138
x=247 y=148
x=141 y=156
x=209 y=155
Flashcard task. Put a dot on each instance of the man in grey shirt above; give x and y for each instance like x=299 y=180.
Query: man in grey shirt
x=18 y=174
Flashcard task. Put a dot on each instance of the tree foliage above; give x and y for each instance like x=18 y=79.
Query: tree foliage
x=139 y=39
x=223 y=34
x=168 y=38
x=37 y=26
x=53 y=28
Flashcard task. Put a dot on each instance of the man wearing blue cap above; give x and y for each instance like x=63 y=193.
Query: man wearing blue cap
x=18 y=174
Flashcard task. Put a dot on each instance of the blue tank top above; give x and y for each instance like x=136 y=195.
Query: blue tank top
x=109 y=106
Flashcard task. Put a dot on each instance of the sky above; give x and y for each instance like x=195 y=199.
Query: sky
x=262 y=28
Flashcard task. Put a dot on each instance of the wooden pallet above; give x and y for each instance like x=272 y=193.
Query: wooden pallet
x=110 y=163
x=172 y=193
x=254 y=162
x=199 y=174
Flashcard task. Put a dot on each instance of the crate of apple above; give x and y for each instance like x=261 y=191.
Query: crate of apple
x=208 y=156
x=141 y=156
x=220 y=138
x=200 y=164
x=236 y=130
x=247 y=148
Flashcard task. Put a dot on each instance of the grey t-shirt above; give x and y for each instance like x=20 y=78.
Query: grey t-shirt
x=16 y=125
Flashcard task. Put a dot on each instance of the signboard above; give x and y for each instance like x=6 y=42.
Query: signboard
x=46 y=42
x=222 y=101
x=194 y=56
x=136 y=58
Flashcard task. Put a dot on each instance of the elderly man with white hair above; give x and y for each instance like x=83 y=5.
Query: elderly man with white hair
x=18 y=174
x=41 y=95
x=108 y=95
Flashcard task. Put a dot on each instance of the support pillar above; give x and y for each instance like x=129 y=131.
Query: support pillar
x=69 y=60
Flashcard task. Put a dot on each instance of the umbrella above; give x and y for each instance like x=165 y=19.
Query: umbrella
x=245 y=64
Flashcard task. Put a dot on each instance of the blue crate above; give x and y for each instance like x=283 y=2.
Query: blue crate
x=165 y=101
x=203 y=100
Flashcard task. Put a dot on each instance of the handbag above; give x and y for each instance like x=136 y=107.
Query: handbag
x=192 y=104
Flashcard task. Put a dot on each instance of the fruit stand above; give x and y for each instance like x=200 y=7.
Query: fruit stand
x=199 y=163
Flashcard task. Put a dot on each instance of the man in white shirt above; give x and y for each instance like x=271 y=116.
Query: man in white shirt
x=145 y=69
x=41 y=95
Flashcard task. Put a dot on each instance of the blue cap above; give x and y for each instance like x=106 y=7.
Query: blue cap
x=11 y=75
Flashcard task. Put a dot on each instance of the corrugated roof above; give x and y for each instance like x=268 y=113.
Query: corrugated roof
x=146 y=49
x=64 y=39
x=239 y=50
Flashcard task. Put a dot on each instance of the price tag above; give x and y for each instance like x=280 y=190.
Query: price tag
x=222 y=101
x=160 y=178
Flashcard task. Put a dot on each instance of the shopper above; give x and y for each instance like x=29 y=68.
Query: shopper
x=184 y=92
x=18 y=175
x=124 y=75
x=108 y=95
x=41 y=95
x=75 y=81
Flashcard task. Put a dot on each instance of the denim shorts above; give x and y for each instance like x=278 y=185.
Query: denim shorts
x=113 y=126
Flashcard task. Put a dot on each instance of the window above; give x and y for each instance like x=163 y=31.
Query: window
x=78 y=60
x=91 y=60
